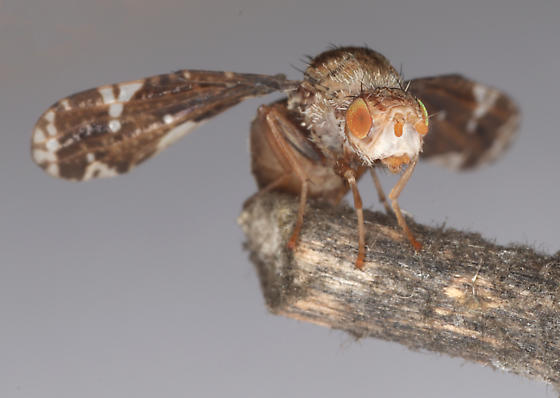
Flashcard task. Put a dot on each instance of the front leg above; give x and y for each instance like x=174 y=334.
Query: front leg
x=394 y=195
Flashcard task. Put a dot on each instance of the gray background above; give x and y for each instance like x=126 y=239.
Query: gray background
x=139 y=287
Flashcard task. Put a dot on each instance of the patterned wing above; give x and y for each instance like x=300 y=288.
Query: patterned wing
x=108 y=130
x=470 y=124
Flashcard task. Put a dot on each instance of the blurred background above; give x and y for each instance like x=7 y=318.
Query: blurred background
x=138 y=286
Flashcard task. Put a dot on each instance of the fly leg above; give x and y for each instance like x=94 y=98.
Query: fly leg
x=394 y=195
x=270 y=187
x=379 y=188
x=277 y=123
x=350 y=176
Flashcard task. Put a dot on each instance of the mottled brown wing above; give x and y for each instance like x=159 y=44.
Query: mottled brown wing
x=470 y=123
x=107 y=130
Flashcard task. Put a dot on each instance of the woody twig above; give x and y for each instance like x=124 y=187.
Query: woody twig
x=461 y=295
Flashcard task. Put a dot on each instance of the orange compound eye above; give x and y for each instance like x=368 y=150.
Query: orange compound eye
x=422 y=126
x=358 y=118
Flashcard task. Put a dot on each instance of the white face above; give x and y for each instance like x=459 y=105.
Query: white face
x=387 y=129
x=388 y=144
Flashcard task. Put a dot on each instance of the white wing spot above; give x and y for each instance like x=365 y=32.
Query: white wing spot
x=471 y=125
x=49 y=116
x=65 y=104
x=187 y=75
x=51 y=129
x=52 y=145
x=39 y=136
x=168 y=119
x=90 y=157
x=229 y=75
x=114 y=126
x=41 y=156
x=115 y=110
x=175 y=133
x=52 y=169
x=107 y=94
x=98 y=169
x=127 y=90
x=451 y=160
x=485 y=98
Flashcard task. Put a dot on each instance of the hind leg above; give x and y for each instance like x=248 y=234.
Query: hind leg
x=284 y=159
x=278 y=124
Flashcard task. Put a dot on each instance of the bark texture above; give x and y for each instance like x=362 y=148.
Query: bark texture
x=461 y=295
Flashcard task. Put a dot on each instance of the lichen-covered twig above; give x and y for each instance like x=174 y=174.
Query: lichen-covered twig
x=461 y=295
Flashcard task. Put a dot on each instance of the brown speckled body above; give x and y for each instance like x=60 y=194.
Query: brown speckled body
x=352 y=111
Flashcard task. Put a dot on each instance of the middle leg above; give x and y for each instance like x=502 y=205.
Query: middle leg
x=379 y=188
x=350 y=176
